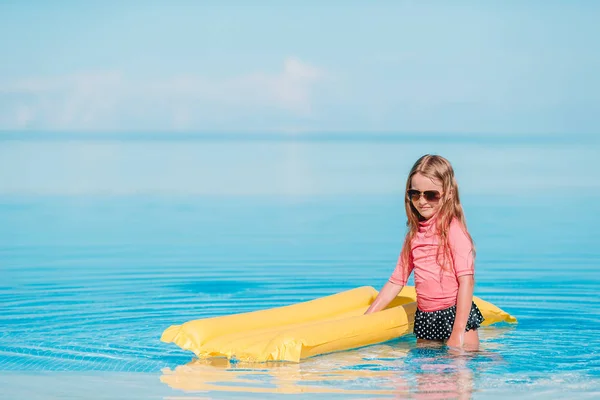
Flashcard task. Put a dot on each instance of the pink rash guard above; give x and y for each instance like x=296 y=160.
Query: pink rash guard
x=436 y=289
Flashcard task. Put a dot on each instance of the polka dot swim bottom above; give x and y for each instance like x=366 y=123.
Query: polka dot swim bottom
x=437 y=325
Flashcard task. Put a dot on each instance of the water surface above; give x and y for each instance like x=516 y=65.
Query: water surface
x=90 y=280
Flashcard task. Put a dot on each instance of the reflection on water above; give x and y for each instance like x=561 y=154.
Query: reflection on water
x=398 y=369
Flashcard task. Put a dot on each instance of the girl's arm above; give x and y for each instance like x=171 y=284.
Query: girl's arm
x=464 y=268
x=386 y=295
x=464 y=300
x=393 y=286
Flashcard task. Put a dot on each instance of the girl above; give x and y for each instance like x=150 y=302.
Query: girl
x=440 y=251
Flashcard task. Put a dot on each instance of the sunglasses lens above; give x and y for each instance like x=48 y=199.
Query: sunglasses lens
x=413 y=195
x=432 y=195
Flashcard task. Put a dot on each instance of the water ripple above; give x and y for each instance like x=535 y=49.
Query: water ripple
x=84 y=303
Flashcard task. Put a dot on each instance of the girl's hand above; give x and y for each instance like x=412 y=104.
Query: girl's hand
x=455 y=340
x=386 y=295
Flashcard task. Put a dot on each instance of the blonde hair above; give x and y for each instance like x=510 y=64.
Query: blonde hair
x=437 y=168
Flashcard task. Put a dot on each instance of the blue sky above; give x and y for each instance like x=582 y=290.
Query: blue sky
x=491 y=71
x=507 y=67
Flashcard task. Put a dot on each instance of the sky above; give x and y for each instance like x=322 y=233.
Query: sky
x=498 y=67
x=116 y=98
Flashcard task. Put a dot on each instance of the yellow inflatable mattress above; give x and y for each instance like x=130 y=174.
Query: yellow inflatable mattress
x=302 y=330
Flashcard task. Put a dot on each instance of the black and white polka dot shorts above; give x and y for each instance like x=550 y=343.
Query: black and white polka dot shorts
x=437 y=325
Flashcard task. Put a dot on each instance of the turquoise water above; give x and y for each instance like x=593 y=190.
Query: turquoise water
x=91 y=279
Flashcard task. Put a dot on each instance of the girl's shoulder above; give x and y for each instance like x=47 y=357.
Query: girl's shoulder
x=457 y=230
x=456 y=223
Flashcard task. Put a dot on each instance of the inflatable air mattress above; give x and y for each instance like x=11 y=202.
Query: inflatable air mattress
x=302 y=330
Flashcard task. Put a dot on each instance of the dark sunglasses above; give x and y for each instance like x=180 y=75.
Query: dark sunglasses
x=429 y=195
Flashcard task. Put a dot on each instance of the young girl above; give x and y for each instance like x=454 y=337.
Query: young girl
x=440 y=251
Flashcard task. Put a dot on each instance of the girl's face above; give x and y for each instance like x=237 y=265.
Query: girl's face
x=426 y=195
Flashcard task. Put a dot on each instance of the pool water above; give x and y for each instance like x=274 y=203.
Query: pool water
x=89 y=282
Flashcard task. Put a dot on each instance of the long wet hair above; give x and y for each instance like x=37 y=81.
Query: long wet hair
x=439 y=169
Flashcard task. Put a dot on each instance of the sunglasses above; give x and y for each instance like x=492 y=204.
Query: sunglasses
x=431 y=196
